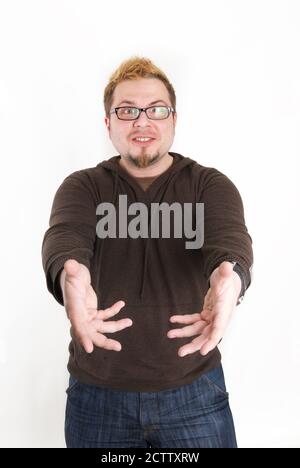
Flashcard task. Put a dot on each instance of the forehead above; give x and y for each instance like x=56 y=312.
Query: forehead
x=141 y=92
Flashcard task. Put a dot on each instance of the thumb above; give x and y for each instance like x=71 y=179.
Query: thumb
x=225 y=269
x=71 y=267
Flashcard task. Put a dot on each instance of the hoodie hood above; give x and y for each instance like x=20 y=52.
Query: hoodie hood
x=155 y=193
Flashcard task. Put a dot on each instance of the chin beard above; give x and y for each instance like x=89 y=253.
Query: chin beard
x=144 y=160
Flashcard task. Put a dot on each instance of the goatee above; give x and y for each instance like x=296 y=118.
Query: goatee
x=144 y=160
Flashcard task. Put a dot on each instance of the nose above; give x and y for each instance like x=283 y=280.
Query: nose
x=142 y=121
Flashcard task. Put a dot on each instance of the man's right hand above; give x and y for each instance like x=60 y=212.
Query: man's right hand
x=80 y=302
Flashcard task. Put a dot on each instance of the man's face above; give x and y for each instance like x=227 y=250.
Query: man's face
x=143 y=93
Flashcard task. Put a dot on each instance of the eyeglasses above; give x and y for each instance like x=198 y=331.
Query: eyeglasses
x=133 y=113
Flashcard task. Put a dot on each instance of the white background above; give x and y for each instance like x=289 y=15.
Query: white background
x=235 y=68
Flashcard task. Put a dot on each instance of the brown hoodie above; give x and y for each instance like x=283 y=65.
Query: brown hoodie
x=156 y=277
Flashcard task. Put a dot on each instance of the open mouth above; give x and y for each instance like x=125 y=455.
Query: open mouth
x=143 y=141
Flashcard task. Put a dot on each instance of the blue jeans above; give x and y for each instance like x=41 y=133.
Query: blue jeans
x=193 y=415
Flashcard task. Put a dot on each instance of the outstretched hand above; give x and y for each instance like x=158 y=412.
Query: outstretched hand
x=210 y=324
x=80 y=301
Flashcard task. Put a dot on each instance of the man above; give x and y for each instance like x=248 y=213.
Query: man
x=146 y=312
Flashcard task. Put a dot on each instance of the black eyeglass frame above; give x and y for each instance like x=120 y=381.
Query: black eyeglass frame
x=141 y=109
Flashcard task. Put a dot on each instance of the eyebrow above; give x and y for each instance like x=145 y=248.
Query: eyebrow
x=150 y=104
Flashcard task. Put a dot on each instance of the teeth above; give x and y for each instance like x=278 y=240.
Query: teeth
x=142 y=139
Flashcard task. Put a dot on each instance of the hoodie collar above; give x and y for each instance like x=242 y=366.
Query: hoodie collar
x=113 y=165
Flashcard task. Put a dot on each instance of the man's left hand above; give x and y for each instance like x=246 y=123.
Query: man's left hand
x=210 y=324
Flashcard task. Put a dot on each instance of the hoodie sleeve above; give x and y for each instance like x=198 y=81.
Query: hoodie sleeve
x=72 y=230
x=225 y=233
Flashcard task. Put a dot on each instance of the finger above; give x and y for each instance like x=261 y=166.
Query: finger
x=102 y=341
x=112 y=326
x=187 y=331
x=215 y=337
x=111 y=311
x=187 y=318
x=194 y=346
x=85 y=342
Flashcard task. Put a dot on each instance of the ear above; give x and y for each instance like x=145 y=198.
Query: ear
x=107 y=123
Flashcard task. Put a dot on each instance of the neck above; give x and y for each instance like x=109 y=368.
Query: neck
x=153 y=170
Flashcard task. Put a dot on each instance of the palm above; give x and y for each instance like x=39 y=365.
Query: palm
x=88 y=323
x=210 y=324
